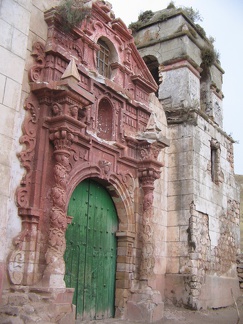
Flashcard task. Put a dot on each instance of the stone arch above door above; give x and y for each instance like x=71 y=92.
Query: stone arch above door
x=122 y=188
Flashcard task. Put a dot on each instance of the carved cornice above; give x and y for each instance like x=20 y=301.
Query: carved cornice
x=62 y=89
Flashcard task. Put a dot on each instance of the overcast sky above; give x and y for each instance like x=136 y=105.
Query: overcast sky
x=223 y=20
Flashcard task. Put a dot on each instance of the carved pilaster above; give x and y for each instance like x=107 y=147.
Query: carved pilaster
x=26 y=157
x=22 y=265
x=147 y=176
x=55 y=270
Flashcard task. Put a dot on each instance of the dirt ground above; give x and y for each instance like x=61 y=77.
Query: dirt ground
x=174 y=315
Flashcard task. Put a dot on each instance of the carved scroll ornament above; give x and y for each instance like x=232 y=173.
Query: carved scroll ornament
x=27 y=155
x=38 y=52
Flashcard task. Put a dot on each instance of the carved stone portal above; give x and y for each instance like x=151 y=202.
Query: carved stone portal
x=77 y=127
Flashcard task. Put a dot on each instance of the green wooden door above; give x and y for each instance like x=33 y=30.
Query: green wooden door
x=90 y=255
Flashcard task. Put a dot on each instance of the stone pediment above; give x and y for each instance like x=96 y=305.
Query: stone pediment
x=81 y=43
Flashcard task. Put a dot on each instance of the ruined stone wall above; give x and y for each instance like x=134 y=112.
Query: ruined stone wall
x=203 y=217
x=239 y=179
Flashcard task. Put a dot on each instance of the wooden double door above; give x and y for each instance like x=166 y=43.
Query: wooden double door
x=90 y=255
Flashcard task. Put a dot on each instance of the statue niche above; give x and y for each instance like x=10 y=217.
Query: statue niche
x=105 y=116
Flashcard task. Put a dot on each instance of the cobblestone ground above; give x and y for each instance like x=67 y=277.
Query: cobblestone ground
x=174 y=315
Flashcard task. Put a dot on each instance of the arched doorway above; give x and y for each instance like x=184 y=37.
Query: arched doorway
x=90 y=255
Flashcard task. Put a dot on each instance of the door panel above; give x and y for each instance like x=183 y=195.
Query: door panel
x=91 y=251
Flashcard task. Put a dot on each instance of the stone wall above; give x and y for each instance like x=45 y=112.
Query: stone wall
x=14 y=25
x=197 y=224
x=20 y=26
x=26 y=305
x=239 y=179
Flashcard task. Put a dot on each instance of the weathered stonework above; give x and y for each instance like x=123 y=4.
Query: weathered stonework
x=69 y=137
x=240 y=269
x=201 y=186
x=239 y=179
x=165 y=162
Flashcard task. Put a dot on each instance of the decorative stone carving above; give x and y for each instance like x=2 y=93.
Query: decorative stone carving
x=16 y=267
x=147 y=178
x=74 y=111
x=56 y=109
x=38 y=51
x=67 y=135
x=128 y=181
x=26 y=156
x=55 y=270
x=105 y=167
x=16 y=260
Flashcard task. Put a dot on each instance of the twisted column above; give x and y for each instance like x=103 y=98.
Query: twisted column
x=55 y=269
x=147 y=178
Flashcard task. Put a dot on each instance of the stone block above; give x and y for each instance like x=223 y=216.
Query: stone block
x=12 y=94
x=180 y=187
x=13 y=66
x=183 y=233
x=172 y=265
x=122 y=275
x=123 y=267
x=19 y=43
x=6 y=34
x=4 y=169
x=25 y=3
x=216 y=291
x=7 y=121
x=177 y=249
x=173 y=234
x=2 y=87
x=28 y=309
x=123 y=284
x=30 y=318
x=38 y=26
x=160 y=265
x=68 y=318
x=144 y=311
x=18 y=299
x=124 y=259
x=178 y=217
x=16 y=15
x=11 y=310
x=179 y=202
x=5 y=157
x=175 y=288
x=195 y=256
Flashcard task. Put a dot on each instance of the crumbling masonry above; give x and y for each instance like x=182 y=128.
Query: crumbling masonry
x=134 y=119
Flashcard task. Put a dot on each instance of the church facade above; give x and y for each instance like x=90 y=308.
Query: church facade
x=120 y=190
